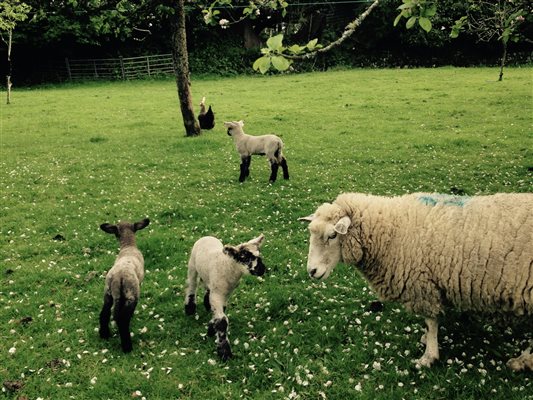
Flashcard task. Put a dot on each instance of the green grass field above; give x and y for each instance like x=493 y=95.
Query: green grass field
x=75 y=156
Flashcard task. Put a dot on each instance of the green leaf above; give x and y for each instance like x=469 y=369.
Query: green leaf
x=262 y=64
x=312 y=44
x=280 y=63
x=411 y=22
x=275 y=42
x=295 y=49
x=397 y=19
x=425 y=23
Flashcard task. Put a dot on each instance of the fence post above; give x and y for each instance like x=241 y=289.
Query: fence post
x=67 y=64
x=122 y=68
x=148 y=64
x=95 y=70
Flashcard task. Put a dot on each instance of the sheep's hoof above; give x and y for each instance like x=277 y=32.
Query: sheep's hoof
x=127 y=347
x=425 y=361
x=190 y=308
x=224 y=351
x=105 y=333
x=211 y=329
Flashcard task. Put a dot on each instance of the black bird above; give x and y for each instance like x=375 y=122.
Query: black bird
x=206 y=119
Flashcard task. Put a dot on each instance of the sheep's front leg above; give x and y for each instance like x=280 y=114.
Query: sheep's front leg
x=522 y=362
x=105 y=316
x=245 y=170
x=219 y=326
x=432 y=345
x=190 y=295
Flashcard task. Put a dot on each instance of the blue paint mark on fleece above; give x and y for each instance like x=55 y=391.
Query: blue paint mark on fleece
x=444 y=199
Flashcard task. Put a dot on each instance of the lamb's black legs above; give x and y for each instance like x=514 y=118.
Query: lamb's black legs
x=245 y=168
x=219 y=326
x=285 y=168
x=123 y=318
x=274 y=171
x=105 y=316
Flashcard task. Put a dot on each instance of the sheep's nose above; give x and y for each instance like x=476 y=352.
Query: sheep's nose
x=312 y=272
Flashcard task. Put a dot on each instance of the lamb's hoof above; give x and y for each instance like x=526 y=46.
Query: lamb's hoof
x=190 y=308
x=425 y=361
x=211 y=329
x=224 y=351
x=522 y=363
x=105 y=333
x=127 y=347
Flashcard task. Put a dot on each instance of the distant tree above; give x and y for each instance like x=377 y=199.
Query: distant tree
x=494 y=20
x=11 y=13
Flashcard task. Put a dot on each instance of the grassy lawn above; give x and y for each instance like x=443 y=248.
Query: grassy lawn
x=75 y=156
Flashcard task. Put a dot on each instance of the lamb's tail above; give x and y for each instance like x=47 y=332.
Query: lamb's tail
x=278 y=154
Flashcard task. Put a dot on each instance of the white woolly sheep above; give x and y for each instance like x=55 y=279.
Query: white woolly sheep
x=123 y=281
x=219 y=268
x=266 y=145
x=430 y=252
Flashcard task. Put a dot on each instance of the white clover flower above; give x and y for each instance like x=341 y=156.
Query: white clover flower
x=12 y=350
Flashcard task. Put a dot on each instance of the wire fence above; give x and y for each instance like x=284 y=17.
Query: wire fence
x=119 y=68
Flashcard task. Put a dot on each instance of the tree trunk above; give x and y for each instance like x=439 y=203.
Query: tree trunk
x=9 y=69
x=251 y=40
x=180 y=58
x=504 y=59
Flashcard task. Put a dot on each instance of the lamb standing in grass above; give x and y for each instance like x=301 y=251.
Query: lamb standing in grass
x=220 y=268
x=430 y=252
x=268 y=145
x=123 y=281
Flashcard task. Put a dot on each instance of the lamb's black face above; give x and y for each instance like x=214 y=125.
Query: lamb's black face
x=254 y=263
x=229 y=132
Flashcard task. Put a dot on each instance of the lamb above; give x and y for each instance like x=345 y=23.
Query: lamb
x=430 y=252
x=123 y=281
x=219 y=268
x=268 y=145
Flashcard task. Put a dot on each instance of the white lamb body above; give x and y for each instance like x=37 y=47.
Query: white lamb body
x=431 y=251
x=271 y=146
x=219 y=268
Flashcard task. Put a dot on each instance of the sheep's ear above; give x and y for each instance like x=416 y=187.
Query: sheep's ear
x=228 y=124
x=309 y=218
x=343 y=225
x=240 y=123
x=108 y=228
x=137 y=226
x=258 y=241
x=230 y=251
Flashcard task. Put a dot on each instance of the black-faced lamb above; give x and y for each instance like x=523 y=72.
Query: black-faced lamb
x=270 y=146
x=123 y=281
x=206 y=119
x=219 y=268
x=430 y=252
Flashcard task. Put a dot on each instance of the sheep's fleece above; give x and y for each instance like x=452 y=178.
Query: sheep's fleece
x=430 y=251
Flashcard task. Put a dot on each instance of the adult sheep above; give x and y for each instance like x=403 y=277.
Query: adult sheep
x=430 y=252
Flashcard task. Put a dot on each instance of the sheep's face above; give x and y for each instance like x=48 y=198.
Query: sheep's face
x=324 y=244
x=248 y=254
x=234 y=126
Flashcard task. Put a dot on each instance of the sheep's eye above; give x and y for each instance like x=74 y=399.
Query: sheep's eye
x=332 y=236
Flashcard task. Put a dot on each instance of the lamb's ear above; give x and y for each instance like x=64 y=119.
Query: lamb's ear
x=309 y=218
x=343 y=225
x=137 y=226
x=258 y=241
x=240 y=123
x=108 y=228
x=230 y=251
x=228 y=124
